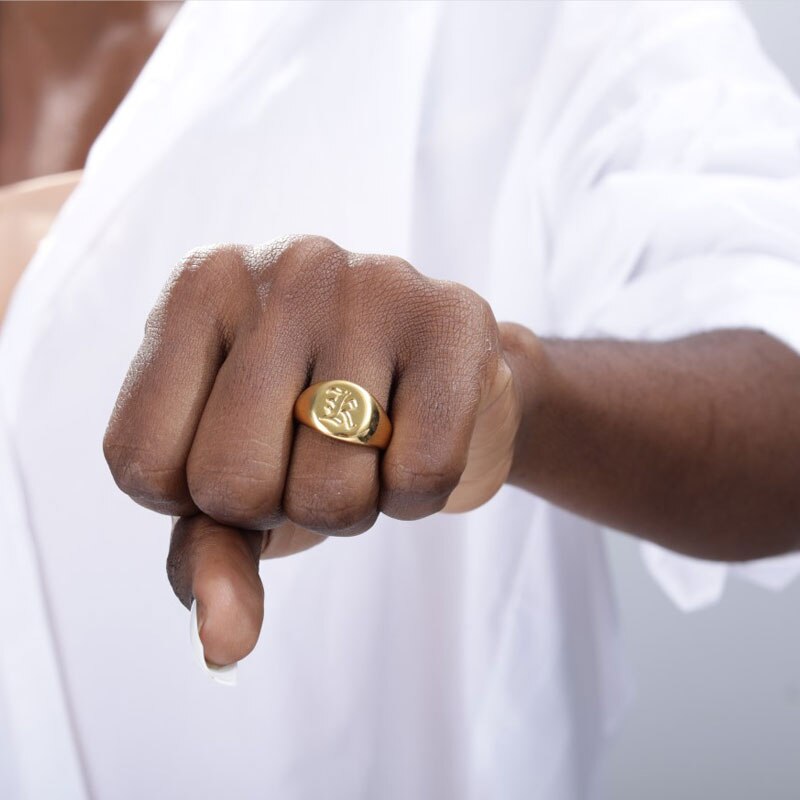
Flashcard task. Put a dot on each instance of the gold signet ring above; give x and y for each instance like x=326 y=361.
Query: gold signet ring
x=344 y=411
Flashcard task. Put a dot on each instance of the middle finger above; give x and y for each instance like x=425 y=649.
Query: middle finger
x=238 y=460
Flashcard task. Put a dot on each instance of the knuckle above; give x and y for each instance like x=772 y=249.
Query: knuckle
x=144 y=479
x=307 y=249
x=386 y=267
x=401 y=286
x=335 y=511
x=403 y=267
x=444 y=319
x=198 y=286
x=464 y=305
x=207 y=269
x=234 y=497
x=306 y=273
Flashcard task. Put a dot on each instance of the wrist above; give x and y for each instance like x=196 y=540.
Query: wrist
x=526 y=355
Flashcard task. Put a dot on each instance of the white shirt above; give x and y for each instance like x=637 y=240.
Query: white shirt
x=622 y=170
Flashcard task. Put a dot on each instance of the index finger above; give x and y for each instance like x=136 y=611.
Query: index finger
x=159 y=406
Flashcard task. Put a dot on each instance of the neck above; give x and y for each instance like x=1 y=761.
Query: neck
x=64 y=67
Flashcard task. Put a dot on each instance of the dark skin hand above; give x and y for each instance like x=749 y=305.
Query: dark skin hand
x=203 y=427
x=693 y=444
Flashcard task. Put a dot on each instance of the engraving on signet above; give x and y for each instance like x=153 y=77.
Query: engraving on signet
x=341 y=411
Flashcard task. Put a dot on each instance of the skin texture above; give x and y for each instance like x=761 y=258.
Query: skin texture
x=693 y=443
x=203 y=426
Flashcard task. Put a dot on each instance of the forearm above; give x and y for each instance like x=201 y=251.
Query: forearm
x=692 y=443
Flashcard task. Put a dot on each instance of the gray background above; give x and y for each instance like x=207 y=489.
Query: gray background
x=717 y=712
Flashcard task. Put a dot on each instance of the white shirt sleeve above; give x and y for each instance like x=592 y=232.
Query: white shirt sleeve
x=670 y=179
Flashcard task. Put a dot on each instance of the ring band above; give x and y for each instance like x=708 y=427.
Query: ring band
x=344 y=411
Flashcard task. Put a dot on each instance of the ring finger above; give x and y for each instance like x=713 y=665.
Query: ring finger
x=332 y=486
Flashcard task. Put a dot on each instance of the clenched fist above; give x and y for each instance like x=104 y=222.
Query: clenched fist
x=203 y=426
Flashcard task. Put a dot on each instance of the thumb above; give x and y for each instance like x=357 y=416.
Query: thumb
x=217 y=567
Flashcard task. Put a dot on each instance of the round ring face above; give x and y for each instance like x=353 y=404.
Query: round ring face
x=345 y=410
